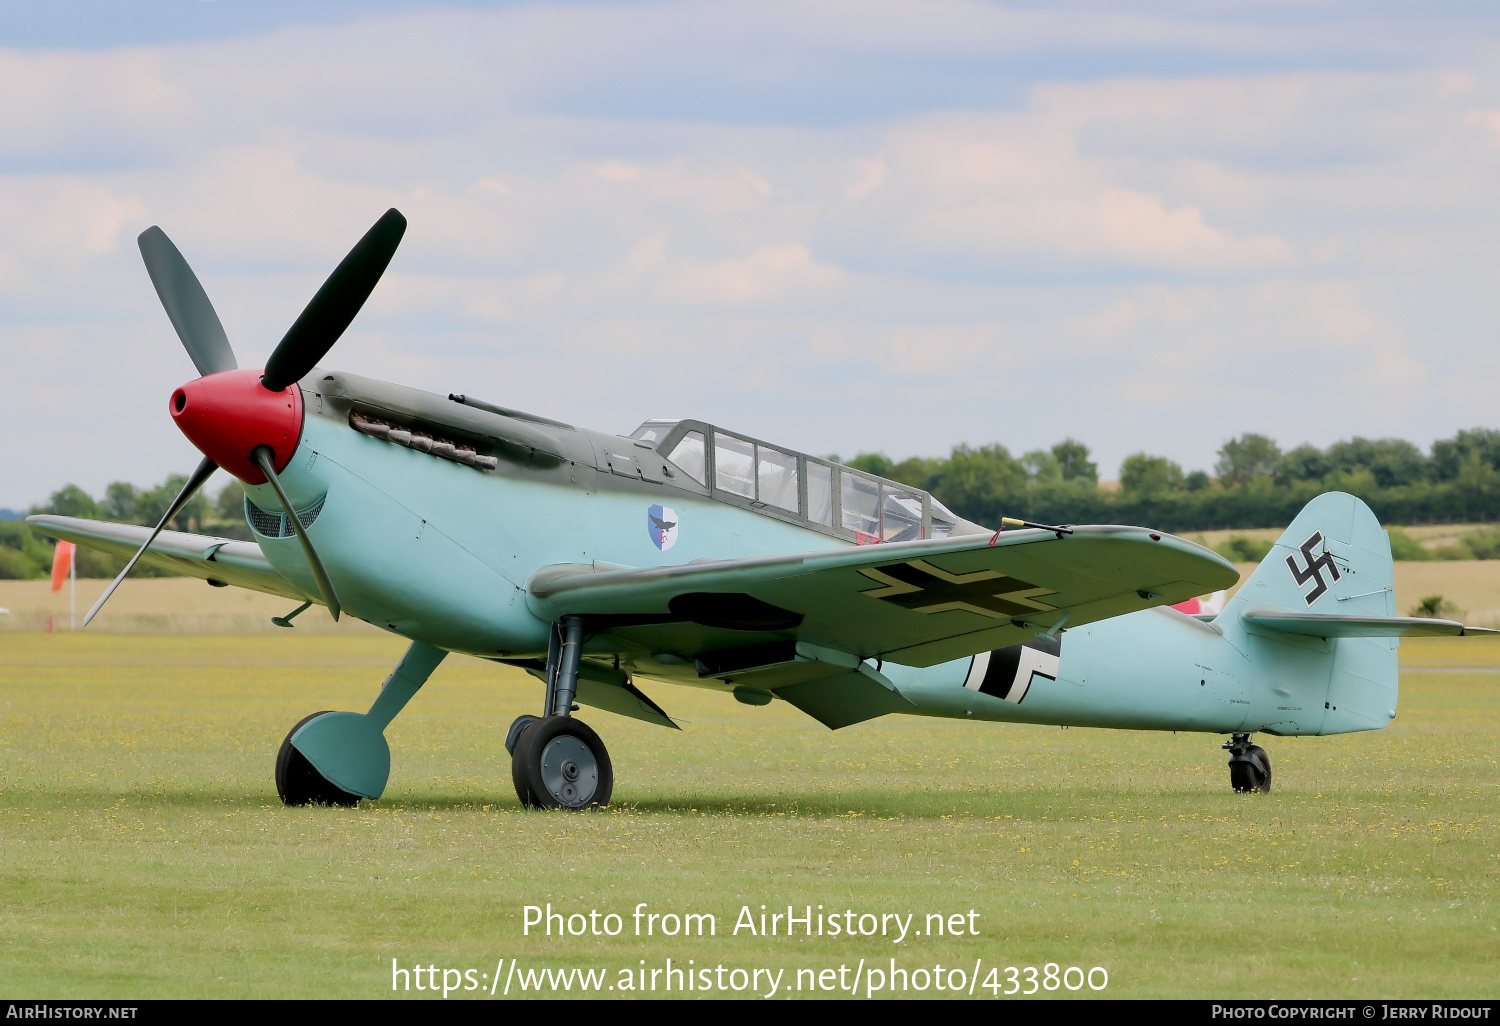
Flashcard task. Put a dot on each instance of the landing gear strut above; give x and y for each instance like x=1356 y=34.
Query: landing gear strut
x=557 y=762
x=1249 y=765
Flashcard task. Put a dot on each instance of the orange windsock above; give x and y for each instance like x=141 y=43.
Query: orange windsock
x=62 y=562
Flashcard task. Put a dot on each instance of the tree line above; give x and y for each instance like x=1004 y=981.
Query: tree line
x=25 y=554
x=1253 y=484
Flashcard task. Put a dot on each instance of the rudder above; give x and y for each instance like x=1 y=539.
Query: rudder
x=1334 y=559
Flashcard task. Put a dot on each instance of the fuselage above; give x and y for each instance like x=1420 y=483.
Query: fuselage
x=1160 y=669
x=436 y=550
x=440 y=551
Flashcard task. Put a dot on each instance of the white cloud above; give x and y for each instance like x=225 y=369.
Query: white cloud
x=649 y=253
x=878 y=225
x=1485 y=119
x=771 y=274
x=869 y=175
x=87 y=106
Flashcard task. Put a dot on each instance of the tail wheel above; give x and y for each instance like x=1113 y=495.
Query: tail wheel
x=560 y=763
x=299 y=783
x=1251 y=770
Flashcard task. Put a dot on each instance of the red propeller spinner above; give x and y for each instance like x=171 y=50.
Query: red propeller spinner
x=228 y=414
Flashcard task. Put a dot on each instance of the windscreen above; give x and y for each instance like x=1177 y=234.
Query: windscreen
x=691 y=454
x=653 y=431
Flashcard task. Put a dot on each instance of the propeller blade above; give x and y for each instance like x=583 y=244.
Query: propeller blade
x=324 y=319
x=186 y=303
x=262 y=455
x=203 y=473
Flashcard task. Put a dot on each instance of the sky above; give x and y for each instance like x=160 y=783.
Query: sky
x=845 y=227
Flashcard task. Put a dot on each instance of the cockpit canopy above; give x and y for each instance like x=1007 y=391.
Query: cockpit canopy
x=793 y=486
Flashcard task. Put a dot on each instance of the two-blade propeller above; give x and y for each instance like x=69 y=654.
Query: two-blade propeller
x=309 y=339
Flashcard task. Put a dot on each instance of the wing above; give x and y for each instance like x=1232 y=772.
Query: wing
x=192 y=555
x=917 y=603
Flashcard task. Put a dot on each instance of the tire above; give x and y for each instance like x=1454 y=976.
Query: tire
x=1264 y=764
x=299 y=783
x=564 y=766
x=513 y=734
x=520 y=753
x=1252 y=772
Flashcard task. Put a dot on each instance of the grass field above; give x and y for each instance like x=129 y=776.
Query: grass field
x=145 y=854
x=162 y=605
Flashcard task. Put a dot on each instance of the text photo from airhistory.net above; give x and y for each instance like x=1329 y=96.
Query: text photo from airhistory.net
x=959 y=500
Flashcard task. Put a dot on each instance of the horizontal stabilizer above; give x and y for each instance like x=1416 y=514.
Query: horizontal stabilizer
x=1319 y=625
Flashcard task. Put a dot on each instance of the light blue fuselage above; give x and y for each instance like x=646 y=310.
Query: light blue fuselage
x=1159 y=669
x=439 y=552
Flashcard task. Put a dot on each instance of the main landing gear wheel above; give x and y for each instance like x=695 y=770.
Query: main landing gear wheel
x=298 y=783
x=1249 y=765
x=560 y=763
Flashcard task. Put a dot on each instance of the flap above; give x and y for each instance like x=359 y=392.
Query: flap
x=851 y=697
x=623 y=700
x=603 y=688
x=1316 y=625
x=239 y=563
x=917 y=603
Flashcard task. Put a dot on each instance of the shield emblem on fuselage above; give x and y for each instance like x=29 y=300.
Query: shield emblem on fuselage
x=661 y=524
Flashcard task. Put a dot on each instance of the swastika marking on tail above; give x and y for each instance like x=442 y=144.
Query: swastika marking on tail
x=1314 y=569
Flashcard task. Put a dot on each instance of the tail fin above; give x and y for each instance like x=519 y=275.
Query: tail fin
x=1334 y=559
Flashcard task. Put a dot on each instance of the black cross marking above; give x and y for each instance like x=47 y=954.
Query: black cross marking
x=924 y=588
x=1314 y=569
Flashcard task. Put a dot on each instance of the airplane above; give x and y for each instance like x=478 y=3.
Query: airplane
x=757 y=571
